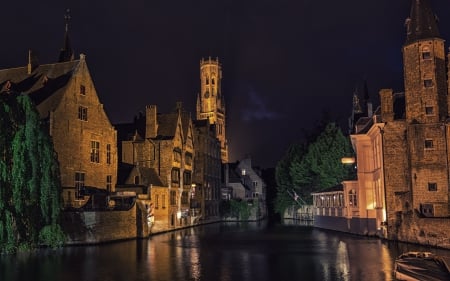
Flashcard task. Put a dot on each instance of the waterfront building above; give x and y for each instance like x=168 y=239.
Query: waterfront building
x=160 y=149
x=83 y=137
x=242 y=181
x=402 y=150
x=207 y=172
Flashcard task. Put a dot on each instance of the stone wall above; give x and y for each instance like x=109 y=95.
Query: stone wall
x=425 y=231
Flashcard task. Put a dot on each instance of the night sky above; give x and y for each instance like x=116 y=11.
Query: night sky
x=284 y=62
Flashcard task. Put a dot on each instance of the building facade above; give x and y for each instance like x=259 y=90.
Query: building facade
x=83 y=137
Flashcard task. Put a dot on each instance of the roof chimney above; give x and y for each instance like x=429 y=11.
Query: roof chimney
x=151 y=122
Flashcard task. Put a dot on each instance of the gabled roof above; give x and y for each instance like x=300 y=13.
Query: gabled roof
x=422 y=23
x=45 y=83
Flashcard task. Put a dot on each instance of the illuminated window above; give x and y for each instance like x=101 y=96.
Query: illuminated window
x=432 y=186
x=429 y=110
x=79 y=185
x=428 y=83
x=352 y=198
x=95 y=152
x=82 y=113
x=429 y=144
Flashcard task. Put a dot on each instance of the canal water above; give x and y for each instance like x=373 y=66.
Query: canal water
x=218 y=252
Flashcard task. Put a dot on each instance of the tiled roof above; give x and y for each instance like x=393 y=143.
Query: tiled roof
x=45 y=85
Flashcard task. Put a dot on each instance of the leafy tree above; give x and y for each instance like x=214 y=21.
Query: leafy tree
x=283 y=177
x=321 y=166
x=30 y=197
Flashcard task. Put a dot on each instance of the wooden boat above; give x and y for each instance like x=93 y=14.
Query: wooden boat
x=418 y=266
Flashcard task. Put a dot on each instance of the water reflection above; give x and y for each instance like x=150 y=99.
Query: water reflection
x=223 y=252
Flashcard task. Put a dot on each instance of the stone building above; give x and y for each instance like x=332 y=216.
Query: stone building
x=82 y=134
x=243 y=181
x=415 y=136
x=207 y=172
x=160 y=150
x=211 y=101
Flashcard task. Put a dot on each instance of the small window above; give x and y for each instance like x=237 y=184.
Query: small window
x=156 y=201
x=429 y=110
x=136 y=180
x=429 y=144
x=428 y=83
x=426 y=55
x=82 y=90
x=432 y=186
x=82 y=113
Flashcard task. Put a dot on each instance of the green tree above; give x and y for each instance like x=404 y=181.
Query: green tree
x=283 y=177
x=30 y=198
x=321 y=166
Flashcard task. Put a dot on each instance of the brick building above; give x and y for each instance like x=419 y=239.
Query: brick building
x=82 y=134
x=157 y=155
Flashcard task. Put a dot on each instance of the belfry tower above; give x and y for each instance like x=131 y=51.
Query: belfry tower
x=210 y=101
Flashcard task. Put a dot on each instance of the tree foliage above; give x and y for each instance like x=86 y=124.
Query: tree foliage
x=313 y=166
x=30 y=192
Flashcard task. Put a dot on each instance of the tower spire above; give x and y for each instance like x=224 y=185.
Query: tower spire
x=422 y=22
x=66 y=53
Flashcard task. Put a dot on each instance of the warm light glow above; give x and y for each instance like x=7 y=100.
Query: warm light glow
x=179 y=215
x=348 y=160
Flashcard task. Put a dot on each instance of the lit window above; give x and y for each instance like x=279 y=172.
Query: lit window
x=352 y=199
x=79 y=185
x=429 y=110
x=428 y=83
x=95 y=152
x=82 y=113
x=429 y=144
x=432 y=186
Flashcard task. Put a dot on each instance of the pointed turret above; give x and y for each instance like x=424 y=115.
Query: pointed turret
x=66 y=53
x=422 y=22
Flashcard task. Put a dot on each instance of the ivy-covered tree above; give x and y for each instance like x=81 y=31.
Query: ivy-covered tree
x=30 y=191
x=321 y=166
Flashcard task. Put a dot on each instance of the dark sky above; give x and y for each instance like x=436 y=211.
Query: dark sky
x=284 y=62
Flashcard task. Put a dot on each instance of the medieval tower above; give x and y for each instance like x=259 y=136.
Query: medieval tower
x=210 y=101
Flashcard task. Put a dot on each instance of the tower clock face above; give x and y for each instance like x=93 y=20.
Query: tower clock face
x=206 y=94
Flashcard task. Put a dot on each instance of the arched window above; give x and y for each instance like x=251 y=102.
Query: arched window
x=213 y=81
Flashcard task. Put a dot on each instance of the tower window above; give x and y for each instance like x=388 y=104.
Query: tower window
x=207 y=81
x=213 y=81
x=429 y=144
x=429 y=110
x=428 y=83
x=426 y=55
x=79 y=185
x=432 y=186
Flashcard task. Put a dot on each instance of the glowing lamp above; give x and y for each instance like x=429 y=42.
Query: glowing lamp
x=348 y=160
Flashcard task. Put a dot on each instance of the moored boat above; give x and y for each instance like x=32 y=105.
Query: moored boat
x=418 y=266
